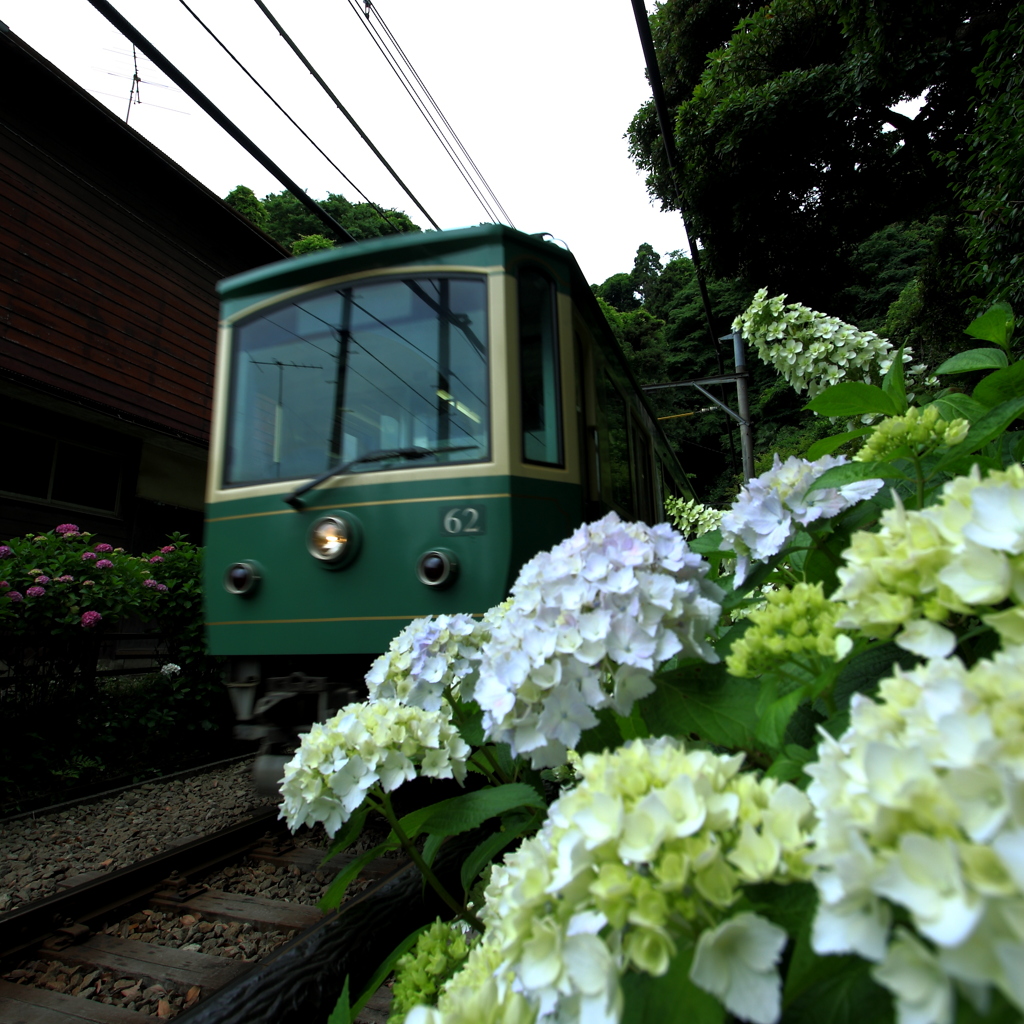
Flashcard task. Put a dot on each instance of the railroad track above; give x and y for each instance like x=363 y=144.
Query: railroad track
x=80 y=942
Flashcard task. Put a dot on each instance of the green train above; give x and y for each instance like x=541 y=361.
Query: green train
x=398 y=425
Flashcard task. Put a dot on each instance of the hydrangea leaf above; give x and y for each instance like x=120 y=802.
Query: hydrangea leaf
x=707 y=543
x=893 y=383
x=1001 y=386
x=986 y=429
x=350 y=832
x=774 y=717
x=853 y=398
x=703 y=700
x=975 y=359
x=827 y=445
x=665 y=998
x=470 y=810
x=385 y=968
x=342 y=1013
x=336 y=890
x=996 y=326
x=485 y=853
x=839 y=476
x=955 y=406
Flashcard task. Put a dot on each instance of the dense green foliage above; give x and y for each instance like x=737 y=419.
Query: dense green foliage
x=243 y=199
x=288 y=220
x=792 y=149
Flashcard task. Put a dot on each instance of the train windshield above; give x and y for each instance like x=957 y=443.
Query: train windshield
x=345 y=373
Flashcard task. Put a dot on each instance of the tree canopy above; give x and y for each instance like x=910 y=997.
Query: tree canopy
x=791 y=146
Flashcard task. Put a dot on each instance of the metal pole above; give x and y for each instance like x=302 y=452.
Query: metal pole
x=743 y=403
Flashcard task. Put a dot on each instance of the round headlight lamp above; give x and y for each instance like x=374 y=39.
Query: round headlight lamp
x=242 y=578
x=334 y=540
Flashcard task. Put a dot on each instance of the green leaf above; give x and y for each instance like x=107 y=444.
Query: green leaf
x=634 y=727
x=989 y=427
x=852 y=398
x=470 y=810
x=774 y=718
x=893 y=384
x=956 y=406
x=839 y=989
x=827 y=445
x=703 y=700
x=430 y=847
x=336 y=891
x=471 y=725
x=485 y=853
x=975 y=359
x=996 y=326
x=350 y=832
x=342 y=1013
x=672 y=997
x=851 y=472
x=382 y=972
x=1001 y=386
x=707 y=543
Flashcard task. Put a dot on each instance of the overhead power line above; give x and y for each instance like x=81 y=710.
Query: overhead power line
x=421 y=96
x=351 y=120
x=252 y=79
x=135 y=37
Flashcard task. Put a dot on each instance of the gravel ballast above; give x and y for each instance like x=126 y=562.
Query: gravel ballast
x=47 y=853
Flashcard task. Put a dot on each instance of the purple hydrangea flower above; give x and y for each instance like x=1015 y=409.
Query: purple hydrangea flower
x=104 y=563
x=35 y=591
x=5 y=551
x=168 y=549
x=156 y=558
x=4 y=585
x=66 y=530
x=90 y=618
x=103 y=547
x=161 y=587
x=42 y=579
x=152 y=584
x=13 y=595
x=65 y=579
x=88 y=556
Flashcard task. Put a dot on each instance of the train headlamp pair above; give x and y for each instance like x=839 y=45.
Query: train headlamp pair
x=334 y=541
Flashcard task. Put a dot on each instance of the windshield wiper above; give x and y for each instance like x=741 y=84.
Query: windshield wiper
x=381 y=455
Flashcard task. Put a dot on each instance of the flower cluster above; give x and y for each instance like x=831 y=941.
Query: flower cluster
x=771 y=506
x=66 y=530
x=919 y=808
x=170 y=670
x=792 y=623
x=812 y=351
x=427 y=657
x=90 y=619
x=691 y=518
x=922 y=431
x=381 y=741
x=439 y=952
x=587 y=625
x=962 y=555
x=651 y=848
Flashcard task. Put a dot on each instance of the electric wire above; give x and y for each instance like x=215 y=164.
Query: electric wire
x=421 y=101
x=351 y=120
x=135 y=37
x=218 y=41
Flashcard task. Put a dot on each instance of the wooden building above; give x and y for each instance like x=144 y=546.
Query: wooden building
x=109 y=254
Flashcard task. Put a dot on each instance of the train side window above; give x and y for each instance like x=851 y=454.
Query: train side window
x=620 y=477
x=541 y=406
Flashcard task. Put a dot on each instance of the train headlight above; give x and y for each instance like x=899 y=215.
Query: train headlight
x=335 y=539
x=438 y=568
x=242 y=578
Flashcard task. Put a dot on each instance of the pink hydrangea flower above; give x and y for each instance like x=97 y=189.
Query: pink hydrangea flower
x=88 y=556
x=65 y=579
x=156 y=558
x=103 y=547
x=90 y=618
x=42 y=579
x=168 y=549
x=152 y=584
x=88 y=583
x=66 y=530
x=35 y=591
x=15 y=596
x=4 y=585
x=5 y=551
x=161 y=587
x=104 y=563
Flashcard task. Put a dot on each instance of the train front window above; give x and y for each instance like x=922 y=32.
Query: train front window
x=348 y=372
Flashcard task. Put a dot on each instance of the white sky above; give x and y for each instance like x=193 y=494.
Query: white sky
x=540 y=92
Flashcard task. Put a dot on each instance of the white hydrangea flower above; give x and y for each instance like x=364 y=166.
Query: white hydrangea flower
x=771 y=507
x=426 y=658
x=382 y=741
x=919 y=807
x=813 y=351
x=649 y=850
x=585 y=628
